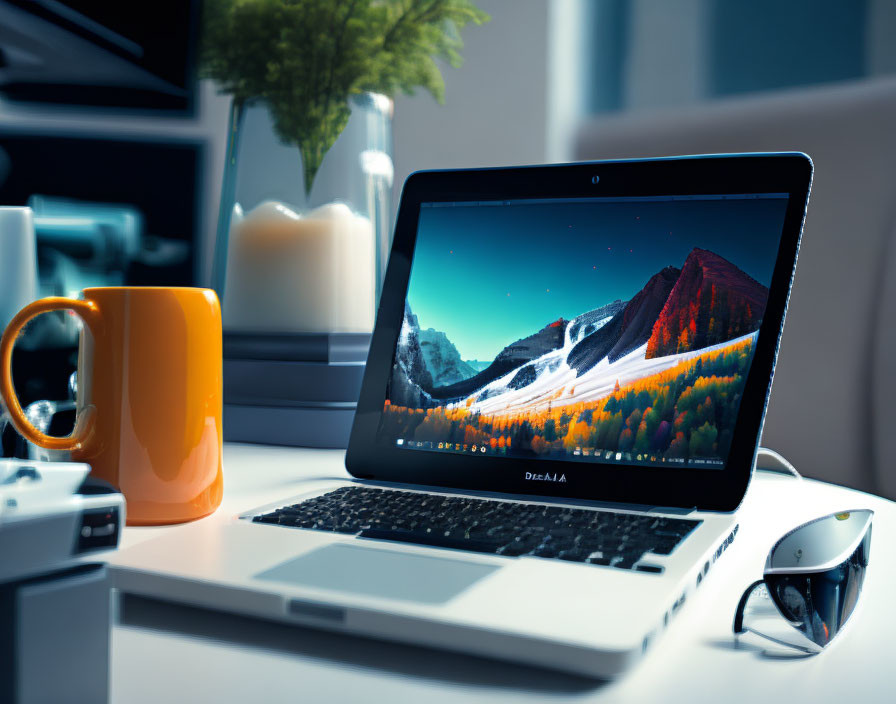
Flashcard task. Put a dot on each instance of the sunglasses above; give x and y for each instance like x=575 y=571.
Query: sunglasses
x=812 y=580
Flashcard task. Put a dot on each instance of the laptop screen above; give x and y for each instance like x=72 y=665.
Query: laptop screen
x=597 y=330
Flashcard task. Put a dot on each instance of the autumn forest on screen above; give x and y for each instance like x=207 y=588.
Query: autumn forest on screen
x=674 y=414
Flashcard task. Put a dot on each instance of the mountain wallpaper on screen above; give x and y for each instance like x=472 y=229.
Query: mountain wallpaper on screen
x=712 y=301
x=660 y=374
x=630 y=328
x=442 y=358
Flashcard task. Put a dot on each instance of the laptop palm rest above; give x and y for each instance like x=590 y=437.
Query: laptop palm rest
x=387 y=574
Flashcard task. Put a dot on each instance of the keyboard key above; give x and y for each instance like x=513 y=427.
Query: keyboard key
x=574 y=555
x=599 y=560
x=546 y=550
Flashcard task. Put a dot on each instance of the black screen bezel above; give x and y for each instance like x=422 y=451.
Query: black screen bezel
x=685 y=487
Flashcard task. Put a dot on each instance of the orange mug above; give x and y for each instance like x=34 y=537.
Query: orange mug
x=149 y=396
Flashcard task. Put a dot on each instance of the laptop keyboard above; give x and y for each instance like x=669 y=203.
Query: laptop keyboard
x=490 y=526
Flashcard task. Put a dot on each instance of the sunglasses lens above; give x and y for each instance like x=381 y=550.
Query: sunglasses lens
x=819 y=603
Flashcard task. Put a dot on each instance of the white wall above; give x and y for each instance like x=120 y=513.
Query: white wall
x=666 y=59
x=495 y=110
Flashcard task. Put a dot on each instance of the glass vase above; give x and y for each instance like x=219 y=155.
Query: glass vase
x=290 y=262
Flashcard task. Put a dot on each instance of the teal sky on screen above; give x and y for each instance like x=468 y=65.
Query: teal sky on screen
x=489 y=275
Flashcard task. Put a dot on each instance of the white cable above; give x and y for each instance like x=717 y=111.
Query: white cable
x=770 y=461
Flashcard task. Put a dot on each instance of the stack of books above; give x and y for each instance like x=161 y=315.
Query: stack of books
x=292 y=389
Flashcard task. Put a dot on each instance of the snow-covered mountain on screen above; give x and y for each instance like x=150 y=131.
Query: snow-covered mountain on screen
x=551 y=382
x=546 y=369
x=629 y=328
x=410 y=378
x=583 y=325
x=678 y=314
x=550 y=337
x=442 y=358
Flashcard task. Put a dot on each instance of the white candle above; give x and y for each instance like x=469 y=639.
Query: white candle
x=292 y=273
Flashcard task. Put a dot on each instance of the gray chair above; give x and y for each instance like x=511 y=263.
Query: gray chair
x=832 y=411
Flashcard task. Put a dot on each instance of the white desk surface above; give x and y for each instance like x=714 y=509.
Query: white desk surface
x=167 y=653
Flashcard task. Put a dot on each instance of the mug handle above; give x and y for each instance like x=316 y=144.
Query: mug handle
x=90 y=314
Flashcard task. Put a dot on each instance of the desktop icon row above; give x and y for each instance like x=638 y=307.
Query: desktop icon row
x=595 y=453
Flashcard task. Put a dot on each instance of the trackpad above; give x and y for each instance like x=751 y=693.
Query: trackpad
x=382 y=573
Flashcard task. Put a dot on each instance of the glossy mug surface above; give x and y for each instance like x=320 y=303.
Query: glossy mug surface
x=149 y=396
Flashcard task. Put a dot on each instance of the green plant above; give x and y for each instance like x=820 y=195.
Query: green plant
x=306 y=57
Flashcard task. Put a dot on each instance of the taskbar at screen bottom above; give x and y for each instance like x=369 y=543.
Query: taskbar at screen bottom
x=578 y=454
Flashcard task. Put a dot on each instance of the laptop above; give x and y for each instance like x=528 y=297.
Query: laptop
x=558 y=420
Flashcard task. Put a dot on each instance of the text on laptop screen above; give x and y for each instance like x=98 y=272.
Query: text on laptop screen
x=604 y=330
